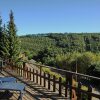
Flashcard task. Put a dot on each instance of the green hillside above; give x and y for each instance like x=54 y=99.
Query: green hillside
x=64 y=42
x=63 y=50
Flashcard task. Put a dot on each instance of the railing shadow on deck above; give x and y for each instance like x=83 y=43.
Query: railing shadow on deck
x=66 y=89
x=42 y=91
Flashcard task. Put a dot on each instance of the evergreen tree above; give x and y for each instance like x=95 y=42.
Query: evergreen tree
x=0 y=26
x=13 y=39
x=4 y=44
x=0 y=32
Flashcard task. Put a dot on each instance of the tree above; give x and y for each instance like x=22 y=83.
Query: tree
x=0 y=33
x=0 y=26
x=13 y=39
x=85 y=60
x=4 y=44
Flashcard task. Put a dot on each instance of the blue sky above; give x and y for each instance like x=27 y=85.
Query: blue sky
x=44 y=16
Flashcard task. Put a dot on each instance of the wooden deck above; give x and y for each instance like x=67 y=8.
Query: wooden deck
x=40 y=85
x=33 y=91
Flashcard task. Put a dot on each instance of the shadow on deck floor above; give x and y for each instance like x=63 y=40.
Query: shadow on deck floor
x=5 y=95
x=33 y=91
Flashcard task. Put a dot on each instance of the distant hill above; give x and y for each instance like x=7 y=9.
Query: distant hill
x=63 y=50
x=61 y=42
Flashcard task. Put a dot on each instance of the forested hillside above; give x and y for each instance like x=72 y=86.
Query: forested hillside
x=66 y=42
x=62 y=50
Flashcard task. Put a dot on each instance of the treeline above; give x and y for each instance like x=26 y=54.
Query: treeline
x=64 y=50
x=67 y=42
x=78 y=42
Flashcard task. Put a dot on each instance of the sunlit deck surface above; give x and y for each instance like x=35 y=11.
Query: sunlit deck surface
x=33 y=91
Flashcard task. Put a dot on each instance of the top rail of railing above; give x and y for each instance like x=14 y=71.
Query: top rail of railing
x=62 y=70
x=66 y=71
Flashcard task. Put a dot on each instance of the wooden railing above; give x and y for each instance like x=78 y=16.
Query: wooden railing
x=64 y=88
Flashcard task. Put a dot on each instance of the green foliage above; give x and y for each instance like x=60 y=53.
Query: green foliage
x=28 y=54
x=57 y=76
x=46 y=56
x=12 y=37
x=62 y=61
x=36 y=43
x=9 y=43
x=67 y=61
x=84 y=88
x=4 y=44
x=46 y=70
x=0 y=33
x=85 y=60
x=70 y=51
x=19 y=63
x=61 y=43
x=0 y=26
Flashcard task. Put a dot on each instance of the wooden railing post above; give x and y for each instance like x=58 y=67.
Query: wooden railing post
x=15 y=68
x=33 y=75
x=70 y=83
x=24 y=64
x=44 y=79
x=66 y=83
x=36 y=76
x=21 y=70
x=1 y=64
x=24 y=70
x=18 y=70
x=27 y=72
x=79 y=94
x=30 y=73
x=40 y=75
x=60 y=91
x=90 y=90
x=48 y=81
x=54 y=83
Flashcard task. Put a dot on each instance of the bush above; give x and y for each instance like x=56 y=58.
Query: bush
x=46 y=70
x=57 y=76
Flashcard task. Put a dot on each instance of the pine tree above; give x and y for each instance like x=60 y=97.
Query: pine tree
x=0 y=26
x=13 y=39
x=0 y=32
x=4 y=44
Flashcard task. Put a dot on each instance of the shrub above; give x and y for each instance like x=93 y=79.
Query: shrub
x=57 y=76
